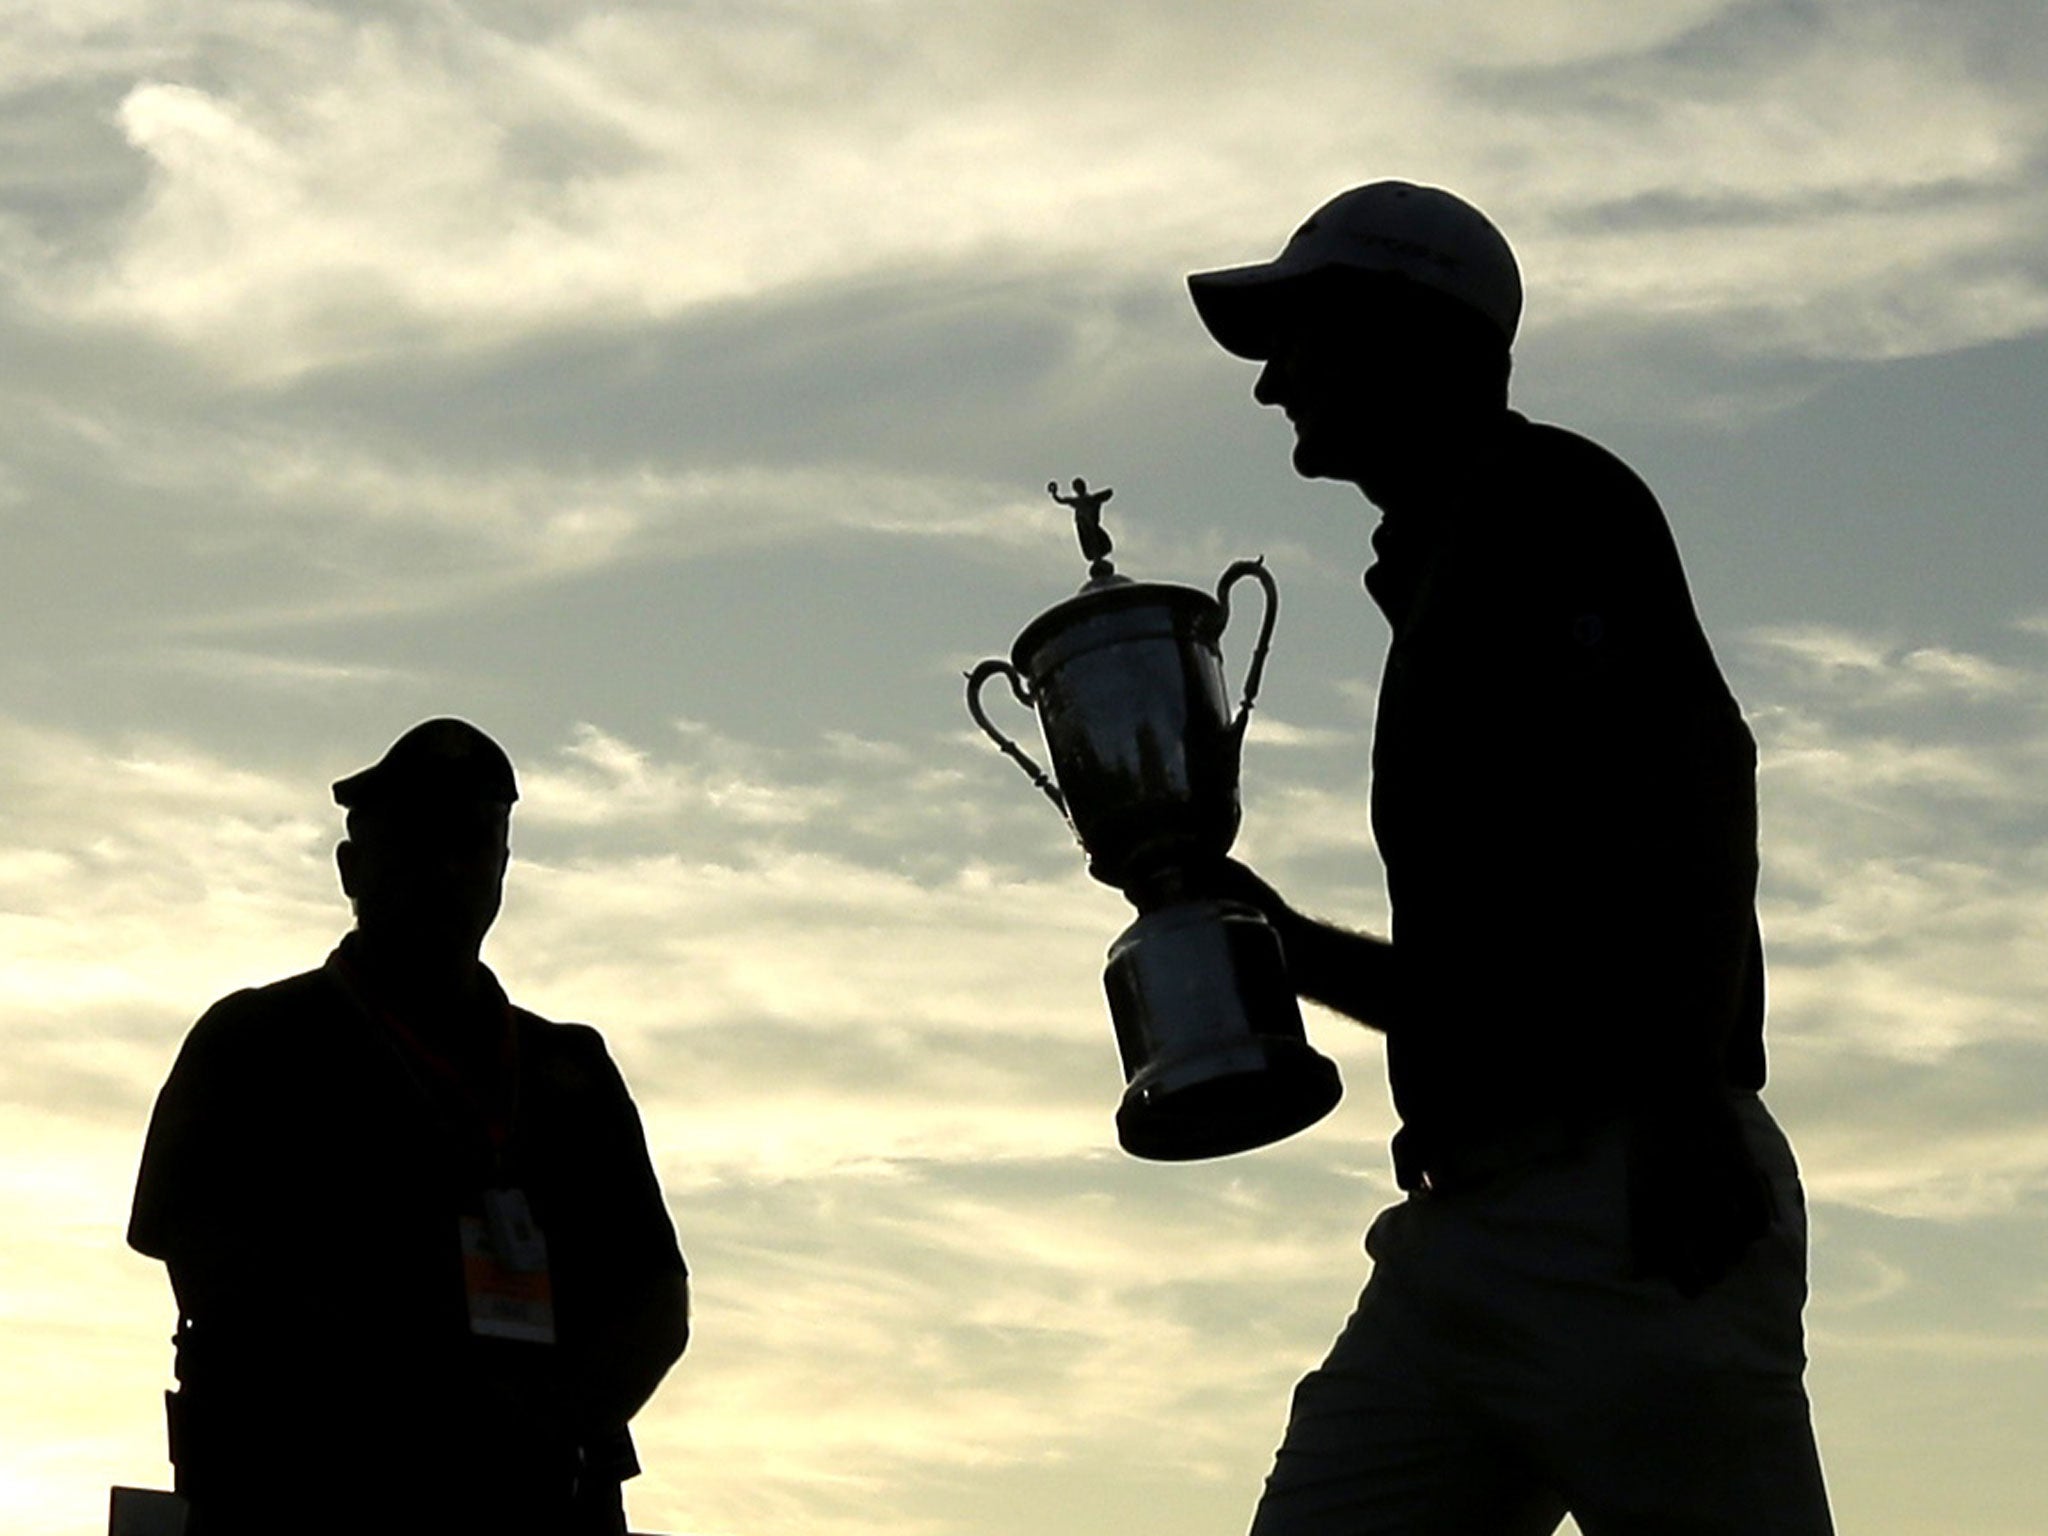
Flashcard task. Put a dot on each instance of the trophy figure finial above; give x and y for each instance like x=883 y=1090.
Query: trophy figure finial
x=1087 y=507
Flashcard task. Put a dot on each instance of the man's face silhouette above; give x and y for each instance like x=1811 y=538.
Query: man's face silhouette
x=1378 y=385
x=1338 y=398
x=428 y=879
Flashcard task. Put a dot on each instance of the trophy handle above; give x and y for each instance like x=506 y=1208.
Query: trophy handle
x=996 y=667
x=1256 y=569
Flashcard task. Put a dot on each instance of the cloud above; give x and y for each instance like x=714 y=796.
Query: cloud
x=1825 y=180
x=1310 y=738
x=675 y=384
x=881 y=1103
x=373 y=186
x=683 y=166
x=159 y=877
x=1872 y=671
x=880 y=1082
x=951 y=1317
x=268 y=672
x=273 y=524
x=1905 y=868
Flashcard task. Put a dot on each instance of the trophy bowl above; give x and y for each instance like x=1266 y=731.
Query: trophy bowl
x=1127 y=683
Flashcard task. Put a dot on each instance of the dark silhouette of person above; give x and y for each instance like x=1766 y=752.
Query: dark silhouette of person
x=1590 y=1299
x=423 y=1268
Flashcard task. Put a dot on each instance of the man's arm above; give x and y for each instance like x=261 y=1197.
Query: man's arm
x=615 y=1371
x=202 y=1188
x=1676 y=949
x=1697 y=1198
x=628 y=1344
x=1352 y=973
x=591 y=1389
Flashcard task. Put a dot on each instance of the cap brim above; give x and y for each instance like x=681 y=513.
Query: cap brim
x=430 y=793
x=351 y=791
x=1247 y=309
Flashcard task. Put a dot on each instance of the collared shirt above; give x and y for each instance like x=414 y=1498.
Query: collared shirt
x=304 y=1178
x=1564 y=799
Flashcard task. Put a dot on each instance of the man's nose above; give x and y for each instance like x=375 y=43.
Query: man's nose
x=1266 y=389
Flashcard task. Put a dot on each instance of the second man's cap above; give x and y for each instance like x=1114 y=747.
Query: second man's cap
x=436 y=761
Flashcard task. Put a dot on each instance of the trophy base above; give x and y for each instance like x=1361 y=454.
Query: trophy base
x=1214 y=1052
x=1231 y=1100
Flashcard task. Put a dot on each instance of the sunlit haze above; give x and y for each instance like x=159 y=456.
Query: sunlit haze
x=671 y=389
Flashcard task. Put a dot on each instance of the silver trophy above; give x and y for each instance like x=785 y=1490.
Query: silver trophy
x=1126 y=679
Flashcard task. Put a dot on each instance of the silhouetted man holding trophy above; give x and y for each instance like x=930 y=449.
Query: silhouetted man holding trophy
x=1590 y=1299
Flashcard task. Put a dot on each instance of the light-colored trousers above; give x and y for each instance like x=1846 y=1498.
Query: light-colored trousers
x=1502 y=1369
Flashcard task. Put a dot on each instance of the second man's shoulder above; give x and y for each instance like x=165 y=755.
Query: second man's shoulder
x=255 y=1010
x=280 y=1029
x=574 y=1055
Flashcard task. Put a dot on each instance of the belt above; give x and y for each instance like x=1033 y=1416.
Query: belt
x=1450 y=1164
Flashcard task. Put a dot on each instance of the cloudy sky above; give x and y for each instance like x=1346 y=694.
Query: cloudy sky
x=670 y=388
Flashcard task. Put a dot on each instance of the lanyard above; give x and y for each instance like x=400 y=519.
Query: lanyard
x=491 y=1110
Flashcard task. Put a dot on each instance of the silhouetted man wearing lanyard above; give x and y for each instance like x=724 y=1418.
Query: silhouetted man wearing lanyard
x=423 y=1268
x=1590 y=1299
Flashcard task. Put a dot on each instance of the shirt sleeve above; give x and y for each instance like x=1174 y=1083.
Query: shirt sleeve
x=189 y=1172
x=619 y=1189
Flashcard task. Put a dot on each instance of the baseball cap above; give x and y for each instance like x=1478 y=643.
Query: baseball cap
x=437 y=761
x=1424 y=234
